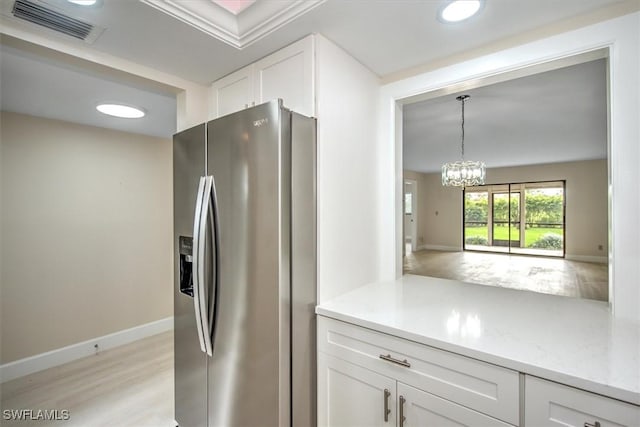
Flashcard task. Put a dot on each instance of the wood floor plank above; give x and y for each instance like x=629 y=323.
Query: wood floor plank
x=539 y=274
x=127 y=386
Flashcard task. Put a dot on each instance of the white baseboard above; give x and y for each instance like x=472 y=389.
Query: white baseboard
x=587 y=258
x=439 y=248
x=60 y=356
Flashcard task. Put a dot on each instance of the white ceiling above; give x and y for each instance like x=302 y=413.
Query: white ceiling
x=550 y=117
x=386 y=36
x=41 y=87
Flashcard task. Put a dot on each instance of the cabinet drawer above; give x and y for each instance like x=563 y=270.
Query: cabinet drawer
x=483 y=387
x=551 y=404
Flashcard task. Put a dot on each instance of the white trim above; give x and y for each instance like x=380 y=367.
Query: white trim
x=60 y=356
x=587 y=258
x=439 y=248
x=238 y=30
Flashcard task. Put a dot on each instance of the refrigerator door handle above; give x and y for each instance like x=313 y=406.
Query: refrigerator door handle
x=207 y=210
x=215 y=239
x=196 y=264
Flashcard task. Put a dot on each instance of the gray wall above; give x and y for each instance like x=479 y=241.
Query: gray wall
x=86 y=233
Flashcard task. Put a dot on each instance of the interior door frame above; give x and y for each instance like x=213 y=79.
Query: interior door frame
x=414 y=213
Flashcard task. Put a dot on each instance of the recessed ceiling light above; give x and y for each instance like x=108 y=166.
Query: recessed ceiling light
x=119 y=110
x=459 y=10
x=83 y=2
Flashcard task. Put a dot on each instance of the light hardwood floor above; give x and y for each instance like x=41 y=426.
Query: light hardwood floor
x=539 y=274
x=128 y=386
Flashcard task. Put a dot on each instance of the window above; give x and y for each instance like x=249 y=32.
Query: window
x=523 y=218
x=408 y=209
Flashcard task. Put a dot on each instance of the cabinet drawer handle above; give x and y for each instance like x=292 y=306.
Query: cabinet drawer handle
x=402 y=417
x=388 y=358
x=595 y=424
x=387 y=411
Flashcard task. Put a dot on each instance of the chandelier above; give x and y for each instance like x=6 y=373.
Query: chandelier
x=463 y=173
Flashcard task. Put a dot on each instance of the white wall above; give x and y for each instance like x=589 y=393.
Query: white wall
x=347 y=95
x=86 y=233
x=439 y=222
x=622 y=38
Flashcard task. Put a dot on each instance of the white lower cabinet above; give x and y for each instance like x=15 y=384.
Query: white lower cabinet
x=419 y=408
x=552 y=404
x=351 y=396
x=367 y=378
x=458 y=388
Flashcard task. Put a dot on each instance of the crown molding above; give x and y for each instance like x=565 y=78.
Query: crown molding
x=250 y=25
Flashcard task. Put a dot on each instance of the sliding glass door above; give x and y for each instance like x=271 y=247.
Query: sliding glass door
x=523 y=218
x=545 y=227
x=476 y=219
x=505 y=219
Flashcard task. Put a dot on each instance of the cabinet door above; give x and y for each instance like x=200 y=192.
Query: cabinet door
x=351 y=396
x=232 y=93
x=551 y=404
x=420 y=408
x=288 y=74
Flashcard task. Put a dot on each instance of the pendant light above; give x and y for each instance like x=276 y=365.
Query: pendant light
x=463 y=173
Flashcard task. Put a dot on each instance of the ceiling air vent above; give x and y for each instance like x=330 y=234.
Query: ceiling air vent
x=39 y=14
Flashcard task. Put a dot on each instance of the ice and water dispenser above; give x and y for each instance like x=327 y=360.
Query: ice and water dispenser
x=186 y=257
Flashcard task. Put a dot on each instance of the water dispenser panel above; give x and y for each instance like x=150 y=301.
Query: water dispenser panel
x=186 y=271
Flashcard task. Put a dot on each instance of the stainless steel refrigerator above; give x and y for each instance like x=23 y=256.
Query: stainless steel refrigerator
x=245 y=270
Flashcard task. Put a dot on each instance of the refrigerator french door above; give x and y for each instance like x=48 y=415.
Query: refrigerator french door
x=245 y=289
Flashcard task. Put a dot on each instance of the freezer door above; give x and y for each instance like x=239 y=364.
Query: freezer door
x=249 y=373
x=189 y=361
x=303 y=271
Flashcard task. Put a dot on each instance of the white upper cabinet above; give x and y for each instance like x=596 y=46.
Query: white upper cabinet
x=287 y=74
x=232 y=93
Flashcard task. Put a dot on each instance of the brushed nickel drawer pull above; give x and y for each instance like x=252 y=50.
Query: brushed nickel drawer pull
x=402 y=417
x=595 y=424
x=388 y=358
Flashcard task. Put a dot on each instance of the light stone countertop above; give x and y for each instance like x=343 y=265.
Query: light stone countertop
x=572 y=341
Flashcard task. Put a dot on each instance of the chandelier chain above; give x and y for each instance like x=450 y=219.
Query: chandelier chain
x=463 y=99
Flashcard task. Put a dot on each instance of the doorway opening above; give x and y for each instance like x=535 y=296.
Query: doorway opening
x=516 y=218
x=410 y=220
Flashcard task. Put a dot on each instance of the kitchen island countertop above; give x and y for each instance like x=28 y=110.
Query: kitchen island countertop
x=572 y=341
